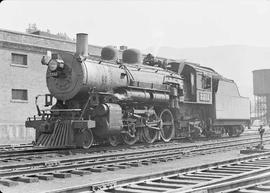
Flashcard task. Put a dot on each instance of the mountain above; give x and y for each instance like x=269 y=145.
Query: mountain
x=232 y=61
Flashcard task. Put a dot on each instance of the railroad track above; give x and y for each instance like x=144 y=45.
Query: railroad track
x=40 y=153
x=13 y=173
x=26 y=148
x=250 y=174
x=14 y=147
x=254 y=182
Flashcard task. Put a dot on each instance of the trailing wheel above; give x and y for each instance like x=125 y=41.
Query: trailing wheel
x=167 y=128
x=84 y=138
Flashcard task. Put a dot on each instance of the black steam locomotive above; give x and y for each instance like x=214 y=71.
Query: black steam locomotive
x=133 y=100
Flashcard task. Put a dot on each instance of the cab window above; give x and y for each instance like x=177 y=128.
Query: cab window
x=192 y=83
x=206 y=82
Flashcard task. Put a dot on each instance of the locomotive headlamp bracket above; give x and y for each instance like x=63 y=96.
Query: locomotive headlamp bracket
x=46 y=59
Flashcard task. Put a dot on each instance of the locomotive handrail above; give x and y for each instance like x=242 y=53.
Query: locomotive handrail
x=152 y=89
x=86 y=104
x=129 y=74
x=60 y=110
x=63 y=110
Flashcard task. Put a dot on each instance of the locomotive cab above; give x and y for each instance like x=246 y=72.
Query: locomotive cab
x=197 y=81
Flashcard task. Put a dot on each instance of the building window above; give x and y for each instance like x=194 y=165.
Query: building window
x=19 y=59
x=19 y=95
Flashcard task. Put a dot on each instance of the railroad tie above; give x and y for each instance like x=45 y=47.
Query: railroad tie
x=8 y=183
x=113 y=168
x=131 y=190
x=195 y=178
x=146 y=162
x=155 y=161
x=146 y=188
x=123 y=166
x=27 y=179
x=61 y=175
x=164 y=159
x=135 y=164
x=80 y=172
x=98 y=169
x=45 y=177
x=161 y=185
x=178 y=181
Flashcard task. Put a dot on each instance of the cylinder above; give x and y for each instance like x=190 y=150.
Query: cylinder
x=82 y=44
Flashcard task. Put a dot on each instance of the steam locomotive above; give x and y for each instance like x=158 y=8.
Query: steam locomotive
x=133 y=100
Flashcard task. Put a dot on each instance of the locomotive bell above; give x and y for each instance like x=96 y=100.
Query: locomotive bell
x=132 y=56
x=109 y=53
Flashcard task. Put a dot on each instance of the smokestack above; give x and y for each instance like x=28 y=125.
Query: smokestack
x=82 y=44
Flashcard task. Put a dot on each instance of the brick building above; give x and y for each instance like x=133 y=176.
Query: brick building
x=22 y=78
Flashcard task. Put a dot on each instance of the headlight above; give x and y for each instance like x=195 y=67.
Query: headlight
x=52 y=65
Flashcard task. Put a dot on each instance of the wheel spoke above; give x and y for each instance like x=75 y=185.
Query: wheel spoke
x=167 y=125
x=149 y=135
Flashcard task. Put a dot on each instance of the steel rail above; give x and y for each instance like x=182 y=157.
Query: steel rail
x=27 y=148
x=43 y=153
x=207 y=178
x=252 y=182
x=98 y=163
x=189 y=149
x=223 y=177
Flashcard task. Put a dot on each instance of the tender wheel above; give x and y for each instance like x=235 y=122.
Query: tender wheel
x=235 y=131
x=114 y=140
x=231 y=132
x=84 y=138
x=167 y=128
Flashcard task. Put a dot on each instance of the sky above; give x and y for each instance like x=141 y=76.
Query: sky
x=147 y=24
x=150 y=24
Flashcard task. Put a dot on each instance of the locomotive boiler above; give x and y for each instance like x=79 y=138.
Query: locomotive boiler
x=131 y=100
